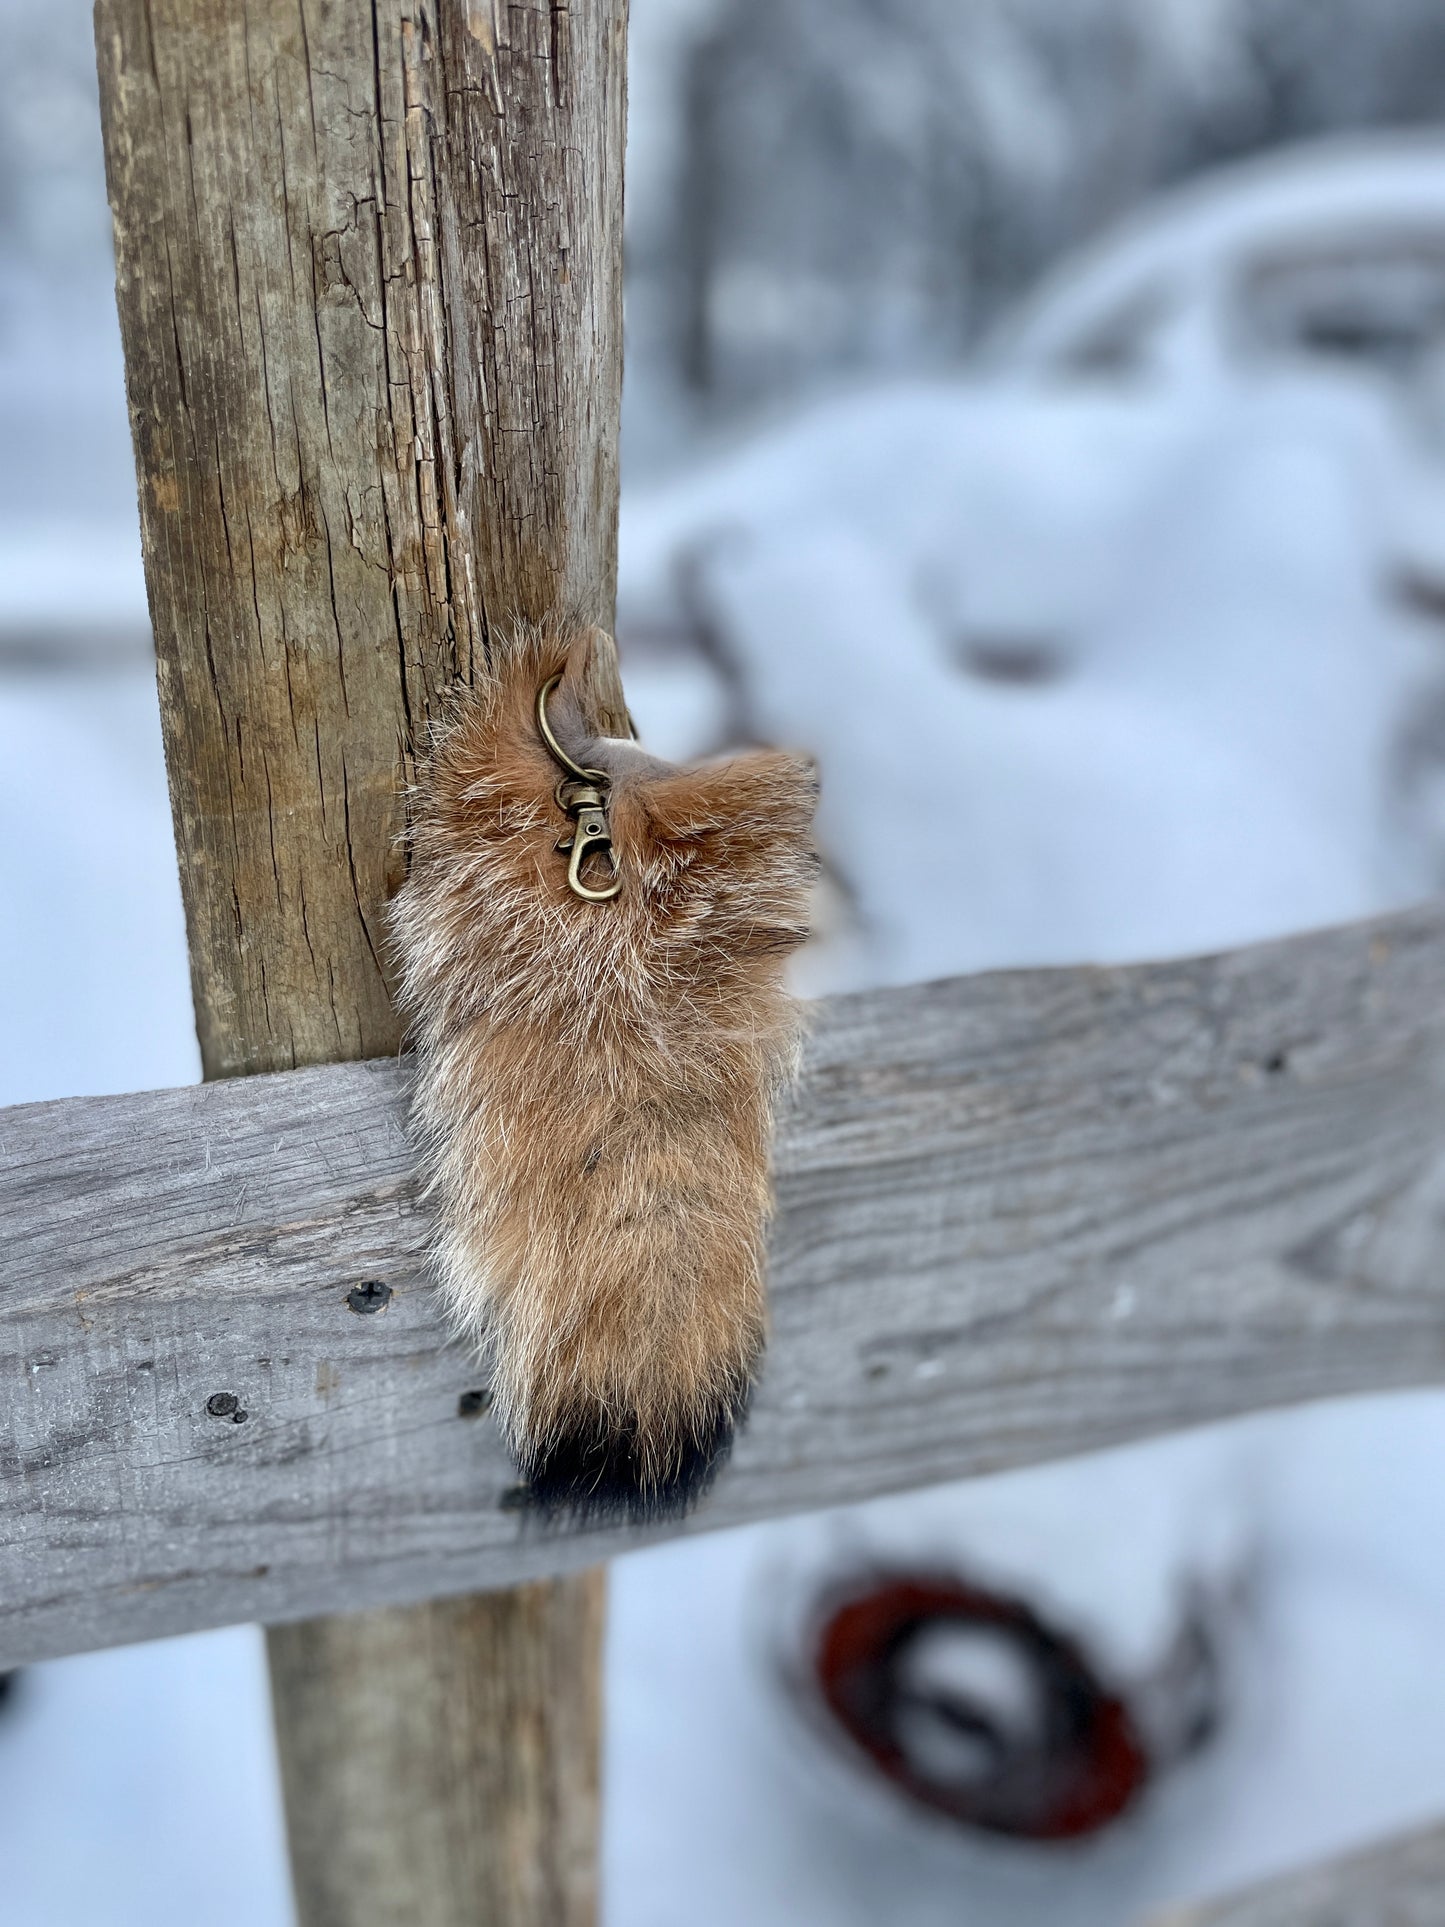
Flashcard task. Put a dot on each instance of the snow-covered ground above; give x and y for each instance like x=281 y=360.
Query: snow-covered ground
x=138 y=1788
x=724 y=1807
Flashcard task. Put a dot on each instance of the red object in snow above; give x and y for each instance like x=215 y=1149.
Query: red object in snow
x=972 y=1706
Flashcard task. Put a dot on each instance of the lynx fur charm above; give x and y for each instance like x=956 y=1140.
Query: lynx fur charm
x=596 y=1078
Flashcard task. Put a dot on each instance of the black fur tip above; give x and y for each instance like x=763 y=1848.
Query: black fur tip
x=595 y=1475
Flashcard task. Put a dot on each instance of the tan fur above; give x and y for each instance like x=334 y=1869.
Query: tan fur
x=596 y=1080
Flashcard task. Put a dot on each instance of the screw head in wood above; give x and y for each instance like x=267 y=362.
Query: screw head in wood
x=372 y=1295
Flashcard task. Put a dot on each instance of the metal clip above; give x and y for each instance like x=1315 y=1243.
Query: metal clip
x=587 y=807
x=582 y=794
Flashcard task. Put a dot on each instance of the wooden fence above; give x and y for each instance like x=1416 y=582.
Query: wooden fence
x=369 y=280
x=1020 y=1216
x=1398 y=1884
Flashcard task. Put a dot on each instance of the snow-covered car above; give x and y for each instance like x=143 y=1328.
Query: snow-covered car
x=1094 y=668
x=1332 y=252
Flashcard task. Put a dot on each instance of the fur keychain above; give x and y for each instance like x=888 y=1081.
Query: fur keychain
x=592 y=946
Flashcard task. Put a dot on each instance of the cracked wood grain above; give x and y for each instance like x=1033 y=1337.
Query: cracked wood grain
x=1020 y=1216
x=368 y=269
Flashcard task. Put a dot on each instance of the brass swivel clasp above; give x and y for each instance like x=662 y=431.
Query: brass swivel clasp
x=586 y=804
x=581 y=794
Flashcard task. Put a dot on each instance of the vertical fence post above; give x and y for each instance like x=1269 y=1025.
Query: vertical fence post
x=368 y=263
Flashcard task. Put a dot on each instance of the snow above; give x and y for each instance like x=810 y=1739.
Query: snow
x=724 y=1805
x=1207 y=759
x=99 y=566
x=93 y=974
x=139 y=1789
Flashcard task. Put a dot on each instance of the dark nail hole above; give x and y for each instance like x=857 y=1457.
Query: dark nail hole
x=1277 y=1062
x=239 y=1418
x=473 y=1404
x=372 y=1296
x=516 y=1498
x=222 y=1404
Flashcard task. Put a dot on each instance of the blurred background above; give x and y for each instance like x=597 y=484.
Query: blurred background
x=1038 y=412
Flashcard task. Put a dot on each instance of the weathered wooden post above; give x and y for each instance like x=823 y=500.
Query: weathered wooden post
x=368 y=270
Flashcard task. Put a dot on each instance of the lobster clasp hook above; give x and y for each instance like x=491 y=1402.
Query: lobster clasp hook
x=582 y=794
x=585 y=805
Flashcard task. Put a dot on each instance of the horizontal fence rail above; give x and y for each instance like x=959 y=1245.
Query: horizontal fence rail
x=1398 y=1884
x=1020 y=1216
